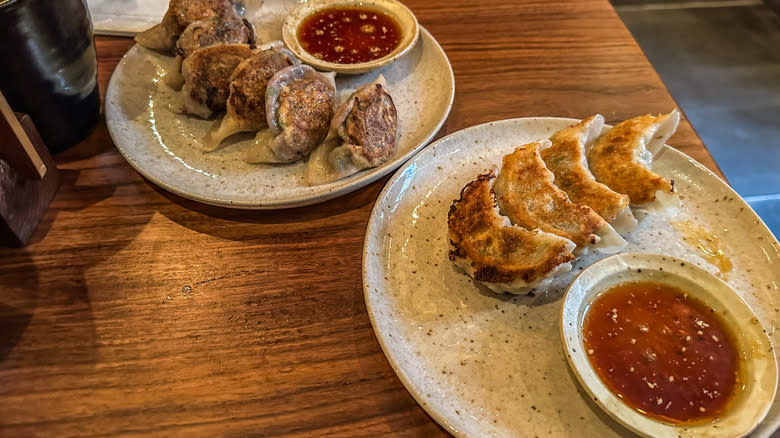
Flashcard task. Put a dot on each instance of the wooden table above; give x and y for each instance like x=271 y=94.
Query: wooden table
x=138 y=313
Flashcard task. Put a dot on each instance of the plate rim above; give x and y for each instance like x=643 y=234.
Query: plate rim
x=372 y=226
x=343 y=187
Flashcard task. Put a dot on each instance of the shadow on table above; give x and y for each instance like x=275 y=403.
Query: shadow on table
x=46 y=307
x=237 y=224
x=96 y=143
x=45 y=316
x=18 y=299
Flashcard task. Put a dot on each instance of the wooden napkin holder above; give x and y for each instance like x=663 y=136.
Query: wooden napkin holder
x=28 y=177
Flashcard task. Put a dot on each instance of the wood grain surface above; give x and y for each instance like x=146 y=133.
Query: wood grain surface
x=134 y=312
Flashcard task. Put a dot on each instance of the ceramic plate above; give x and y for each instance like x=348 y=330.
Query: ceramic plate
x=165 y=147
x=483 y=364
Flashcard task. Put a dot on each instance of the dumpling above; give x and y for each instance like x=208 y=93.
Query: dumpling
x=204 y=33
x=207 y=74
x=299 y=106
x=528 y=195
x=246 y=103
x=622 y=158
x=368 y=125
x=156 y=38
x=212 y=31
x=504 y=257
x=180 y=14
x=566 y=159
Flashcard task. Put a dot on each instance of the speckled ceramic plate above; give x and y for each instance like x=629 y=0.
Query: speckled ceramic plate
x=483 y=364
x=165 y=147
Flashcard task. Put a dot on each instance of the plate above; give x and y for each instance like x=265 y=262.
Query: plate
x=165 y=147
x=493 y=365
x=759 y=372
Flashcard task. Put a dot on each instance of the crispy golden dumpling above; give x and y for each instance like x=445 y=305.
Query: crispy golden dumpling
x=566 y=160
x=622 y=157
x=504 y=257
x=528 y=195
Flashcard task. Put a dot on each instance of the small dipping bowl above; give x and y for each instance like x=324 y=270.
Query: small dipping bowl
x=407 y=22
x=750 y=404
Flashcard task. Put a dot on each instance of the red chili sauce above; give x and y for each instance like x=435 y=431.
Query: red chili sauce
x=666 y=354
x=349 y=35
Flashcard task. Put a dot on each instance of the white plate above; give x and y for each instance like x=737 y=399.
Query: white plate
x=165 y=147
x=493 y=365
x=759 y=373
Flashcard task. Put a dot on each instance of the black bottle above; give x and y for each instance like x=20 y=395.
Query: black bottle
x=48 y=67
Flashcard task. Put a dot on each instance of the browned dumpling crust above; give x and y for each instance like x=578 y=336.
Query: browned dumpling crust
x=566 y=160
x=496 y=251
x=299 y=106
x=207 y=76
x=181 y=13
x=248 y=85
x=214 y=30
x=528 y=195
x=246 y=102
x=620 y=159
x=305 y=110
x=371 y=127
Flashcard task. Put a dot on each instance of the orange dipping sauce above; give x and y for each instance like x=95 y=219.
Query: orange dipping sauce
x=664 y=353
x=349 y=35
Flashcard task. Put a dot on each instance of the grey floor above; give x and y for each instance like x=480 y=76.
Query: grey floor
x=721 y=62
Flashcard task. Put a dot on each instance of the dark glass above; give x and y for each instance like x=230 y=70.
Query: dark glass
x=48 y=67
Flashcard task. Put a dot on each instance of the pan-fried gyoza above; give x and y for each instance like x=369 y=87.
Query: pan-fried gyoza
x=504 y=257
x=566 y=159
